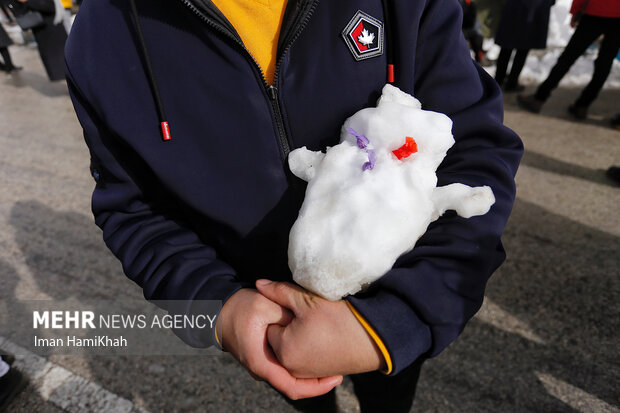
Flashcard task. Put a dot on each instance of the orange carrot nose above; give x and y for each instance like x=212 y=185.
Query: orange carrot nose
x=410 y=147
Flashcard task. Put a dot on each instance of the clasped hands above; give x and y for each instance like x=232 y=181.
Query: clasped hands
x=297 y=341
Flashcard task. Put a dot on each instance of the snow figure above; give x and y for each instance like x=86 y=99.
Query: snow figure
x=372 y=196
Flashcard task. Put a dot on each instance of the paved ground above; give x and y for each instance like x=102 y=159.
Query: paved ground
x=547 y=339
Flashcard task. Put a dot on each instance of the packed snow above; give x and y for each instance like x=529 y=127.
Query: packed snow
x=372 y=196
x=539 y=62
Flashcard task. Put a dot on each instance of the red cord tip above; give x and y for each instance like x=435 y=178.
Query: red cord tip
x=390 y=78
x=165 y=131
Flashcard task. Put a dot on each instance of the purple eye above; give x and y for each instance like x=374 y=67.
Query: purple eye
x=362 y=141
x=372 y=158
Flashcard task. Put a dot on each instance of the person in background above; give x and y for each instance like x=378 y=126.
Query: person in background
x=524 y=26
x=472 y=30
x=11 y=382
x=592 y=18
x=6 y=64
x=50 y=37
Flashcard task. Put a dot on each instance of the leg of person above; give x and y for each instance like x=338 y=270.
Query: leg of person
x=11 y=383
x=476 y=46
x=502 y=65
x=3 y=53
x=512 y=84
x=587 y=31
x=602 y=66
x=469 y=37
x=8 y=63
x=377 y=392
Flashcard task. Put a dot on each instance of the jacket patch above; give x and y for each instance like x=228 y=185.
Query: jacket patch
x=364 y=36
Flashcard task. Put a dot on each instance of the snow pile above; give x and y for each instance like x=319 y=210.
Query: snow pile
x=559 y=24
x=539 y=62
x=372 y=196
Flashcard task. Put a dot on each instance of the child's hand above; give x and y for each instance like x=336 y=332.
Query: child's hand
x=324 y=338
x=243 y=324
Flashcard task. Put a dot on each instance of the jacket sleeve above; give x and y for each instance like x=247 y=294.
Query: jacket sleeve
x=577 y=6
x=142 y=227
x=424 y=302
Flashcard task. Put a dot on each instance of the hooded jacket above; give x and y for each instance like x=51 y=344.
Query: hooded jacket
x=208 y=212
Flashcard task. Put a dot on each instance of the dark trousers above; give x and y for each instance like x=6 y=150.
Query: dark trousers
x=475 y=42
x=588 y=30
x=375 y=391
x=6 y=57
x=517 y=65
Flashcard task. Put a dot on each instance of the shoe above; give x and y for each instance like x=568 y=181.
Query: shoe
x=10 y=385
x=13 y=69
x=613 y=173
x=514 y=88
x=530 y=103
x=8 y=358
x=579 y=112
x=615 y=122
x=484 y=62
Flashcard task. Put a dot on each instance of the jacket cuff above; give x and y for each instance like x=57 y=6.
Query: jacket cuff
x=403 y=334
x=224 y=289
x=373 y=334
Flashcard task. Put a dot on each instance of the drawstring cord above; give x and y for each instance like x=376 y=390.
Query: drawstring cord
x=165 y=128
x=388 y=33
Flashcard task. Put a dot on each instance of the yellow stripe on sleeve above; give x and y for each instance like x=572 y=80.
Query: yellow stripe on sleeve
x=217 y=338
x=371 y=331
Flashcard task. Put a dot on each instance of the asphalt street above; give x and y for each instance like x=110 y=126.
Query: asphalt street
x=546 y=340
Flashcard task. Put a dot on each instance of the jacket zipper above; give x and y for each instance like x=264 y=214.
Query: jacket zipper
x=271 y=90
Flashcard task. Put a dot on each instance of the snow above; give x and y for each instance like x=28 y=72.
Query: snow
x=539 y=62
x=364 y=207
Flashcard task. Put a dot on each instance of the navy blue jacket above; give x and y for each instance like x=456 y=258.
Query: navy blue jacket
x=208 y=212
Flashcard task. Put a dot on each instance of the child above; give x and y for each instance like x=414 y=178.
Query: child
x=190 y=110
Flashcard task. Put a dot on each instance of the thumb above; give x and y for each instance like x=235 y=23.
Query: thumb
x=285 y=294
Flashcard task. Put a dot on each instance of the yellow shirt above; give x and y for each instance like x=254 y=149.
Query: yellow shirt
x=258 y=23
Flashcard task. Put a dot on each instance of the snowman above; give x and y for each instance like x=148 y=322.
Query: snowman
x=372 y=196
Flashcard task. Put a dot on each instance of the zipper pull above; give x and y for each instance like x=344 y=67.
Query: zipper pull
x=273 y=92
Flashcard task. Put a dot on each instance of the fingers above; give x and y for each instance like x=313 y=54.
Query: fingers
x=284 y=294
x=292 y=387
x=265 y=366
